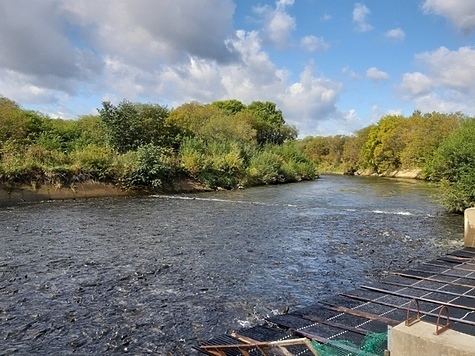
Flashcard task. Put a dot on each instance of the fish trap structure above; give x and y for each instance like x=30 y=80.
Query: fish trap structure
x=431 y=306
x=440 y=292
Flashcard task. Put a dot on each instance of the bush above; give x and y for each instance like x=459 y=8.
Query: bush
x=92 y=160
x=153 y=165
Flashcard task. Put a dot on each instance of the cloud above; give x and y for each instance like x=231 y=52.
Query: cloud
x=277 y=23
x=313 y=43
x=396 y=33
x=454 y=69
x=65 y=53
x=360 y=12
x=36 y=47
x=416 y=83
x=448 y=83
x=311 y=101
x=461 y=13
x=150 y=32
x=376 y=74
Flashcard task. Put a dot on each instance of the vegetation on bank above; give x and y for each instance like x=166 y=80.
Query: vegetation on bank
x=440 y=146
x=227 y=144
x=143 y=146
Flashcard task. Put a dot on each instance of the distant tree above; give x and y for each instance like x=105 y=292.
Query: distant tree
x=385 y=142
x=352 y=150
x=424 y=134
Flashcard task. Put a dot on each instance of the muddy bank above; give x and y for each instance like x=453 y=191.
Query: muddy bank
x=14 y=194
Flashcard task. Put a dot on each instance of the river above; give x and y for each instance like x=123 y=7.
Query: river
x=159 y=274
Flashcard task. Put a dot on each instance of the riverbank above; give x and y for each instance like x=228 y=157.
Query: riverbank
x=24 y=193
x=15 y=194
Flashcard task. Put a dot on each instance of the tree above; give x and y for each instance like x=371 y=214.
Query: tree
x=269 y=124
x=386 y=141
x=454 y=165
x=129 y=125
x=424 y=134
x=231 y=106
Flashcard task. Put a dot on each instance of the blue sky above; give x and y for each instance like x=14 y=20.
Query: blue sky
x=332 y=67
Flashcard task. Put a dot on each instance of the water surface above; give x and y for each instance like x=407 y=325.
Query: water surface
x=159 y=274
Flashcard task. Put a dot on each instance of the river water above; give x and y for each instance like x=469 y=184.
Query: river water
x=159 y=274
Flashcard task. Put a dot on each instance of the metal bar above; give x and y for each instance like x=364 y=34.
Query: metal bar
x=438 y=330
x=456 y=267
x=459 y=258
x=429 y=289
x=400 y=307
x=415 y=319
x=316 y=319
x=281 y=344
x=402 y=295
x=320 y=339
x=433 y=280
x=444 y=273
x=366 y=315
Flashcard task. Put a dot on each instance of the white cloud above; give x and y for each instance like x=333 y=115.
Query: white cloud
x=448 y=83
x=376 y=74
x=415 y=84
x=310 y=101
x=396 y=33
x=460 y=12
x=313 y=43
x=278 y=24
x=454 y=69
x=360 y=13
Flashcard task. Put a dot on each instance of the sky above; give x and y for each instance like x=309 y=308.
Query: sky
x=332 y=67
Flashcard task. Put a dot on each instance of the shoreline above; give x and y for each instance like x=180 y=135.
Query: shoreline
x=18 y=194
x=23 y=193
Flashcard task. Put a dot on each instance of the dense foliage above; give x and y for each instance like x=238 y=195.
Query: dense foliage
x=226 y=144
x=144 y=146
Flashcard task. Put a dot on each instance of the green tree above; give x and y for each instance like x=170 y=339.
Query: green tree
x=231 y=106
x=352 y=156
x=385 y=143
x=454 y=165
x=269 y=124
x=424 y=134
x=129 y=126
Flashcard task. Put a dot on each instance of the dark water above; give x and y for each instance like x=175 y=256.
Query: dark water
x=157 y=275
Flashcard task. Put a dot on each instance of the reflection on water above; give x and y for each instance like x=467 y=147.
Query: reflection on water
x=158 y=274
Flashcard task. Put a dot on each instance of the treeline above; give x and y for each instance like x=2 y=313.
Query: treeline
x=144 y=146
x=440 y=146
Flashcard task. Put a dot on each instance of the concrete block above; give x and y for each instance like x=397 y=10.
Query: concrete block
x=469 y=230
x=420 y=340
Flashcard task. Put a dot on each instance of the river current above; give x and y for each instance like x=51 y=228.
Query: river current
x=159 y=274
